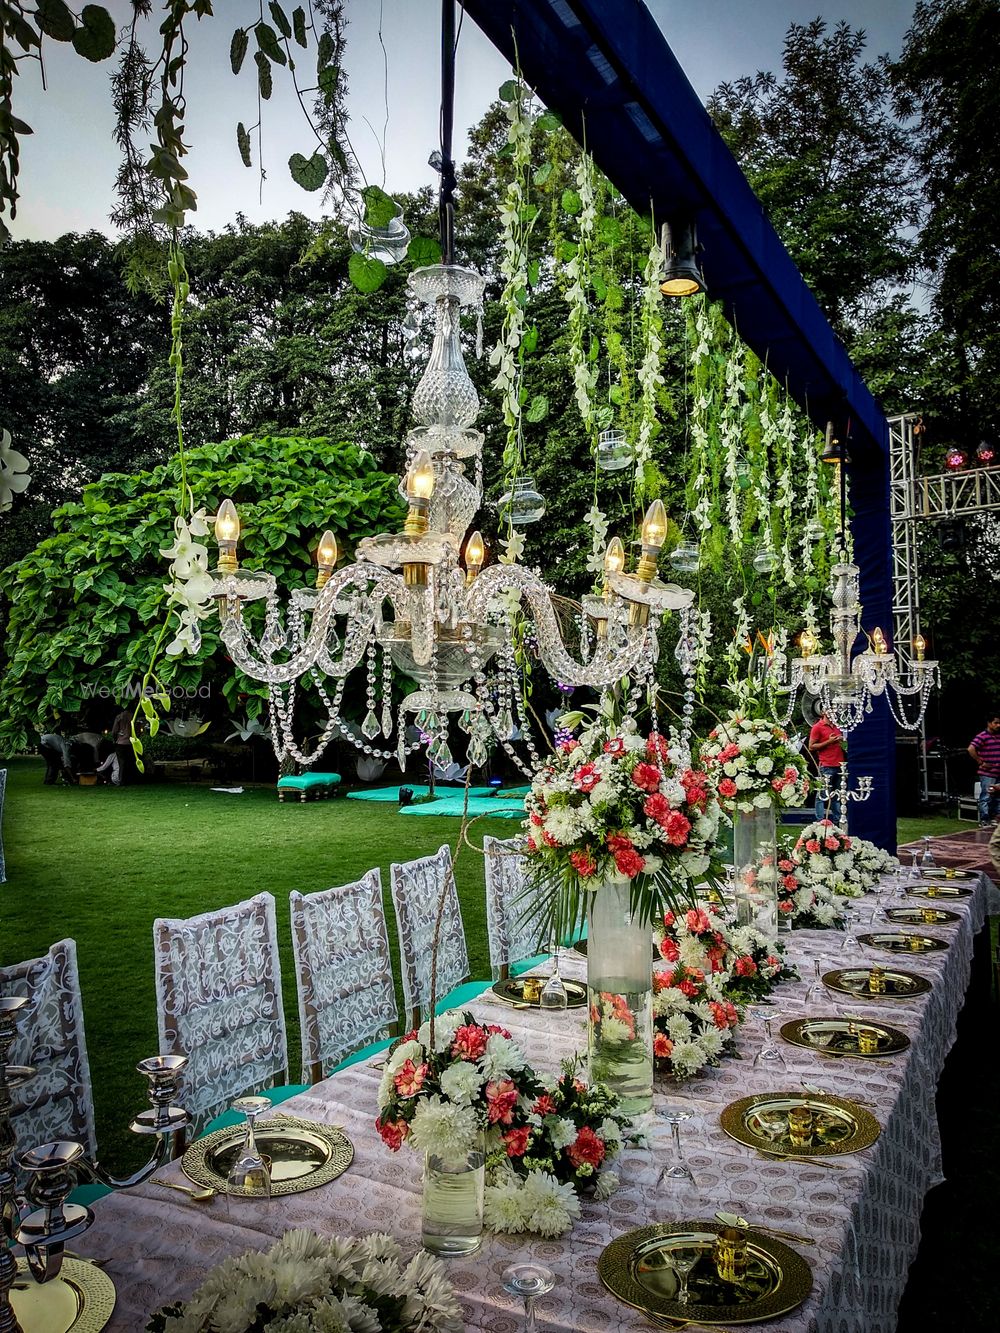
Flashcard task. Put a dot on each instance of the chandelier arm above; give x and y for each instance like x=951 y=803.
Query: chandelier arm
x=605 y=667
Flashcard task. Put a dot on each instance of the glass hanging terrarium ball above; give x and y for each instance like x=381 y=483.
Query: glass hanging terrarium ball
x=764 y=559
x=613 y=451
x=389 y=243
x=685 y=558
x=522 y=504
x=815 y=532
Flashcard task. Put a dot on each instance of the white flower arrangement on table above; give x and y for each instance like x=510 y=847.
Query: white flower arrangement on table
x=742 y=962
x=615 y=804
x=752 y=765
x=843 y=865
x=311 y=1284
x=811 y=903
x=693 y=1022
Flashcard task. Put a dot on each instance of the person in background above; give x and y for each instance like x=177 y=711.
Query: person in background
x=826 y=745
x=56 y=753
x=121 y=737
x=985 y=750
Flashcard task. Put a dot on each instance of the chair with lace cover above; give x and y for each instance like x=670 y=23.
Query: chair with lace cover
x=343 y=972
x=417 y=889
x=58 y=1102
x=512 y=937
x=218 y=1001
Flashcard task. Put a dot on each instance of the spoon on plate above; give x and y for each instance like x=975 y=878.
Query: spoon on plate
x=734 y=1220
x=203 y=1194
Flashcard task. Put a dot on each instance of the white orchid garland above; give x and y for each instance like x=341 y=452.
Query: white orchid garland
x=577 y=271
x=650 y=372
x=189 y=591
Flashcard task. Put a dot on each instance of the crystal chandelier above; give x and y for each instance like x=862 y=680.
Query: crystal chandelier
x=844 y=684
x=420 y=600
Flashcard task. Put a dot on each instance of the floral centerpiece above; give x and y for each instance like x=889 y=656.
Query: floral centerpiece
x=843 y=865
x=744 y=963
x=693 y=1022
x=810 y=903
x=311 y=1284
x=619 y=827
x=572 y=1134
x=758 y=964
x=752 y=765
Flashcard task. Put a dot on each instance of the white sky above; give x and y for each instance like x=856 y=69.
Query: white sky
x=68 y=166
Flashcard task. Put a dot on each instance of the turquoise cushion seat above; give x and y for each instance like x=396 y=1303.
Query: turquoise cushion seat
x=276 y=1096
x=462 y=995
x=365 y=1053
x=526 y=964
x=308 y=781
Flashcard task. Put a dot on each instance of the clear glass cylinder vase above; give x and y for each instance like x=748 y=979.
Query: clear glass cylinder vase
x=452 y=1216
x=620 y=1010
x=755 y=863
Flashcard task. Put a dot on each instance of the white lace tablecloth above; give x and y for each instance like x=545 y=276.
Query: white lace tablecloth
x=864 y=1217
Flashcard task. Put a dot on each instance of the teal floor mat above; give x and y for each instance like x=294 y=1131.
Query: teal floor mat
x=478 y=805
x=392 y=793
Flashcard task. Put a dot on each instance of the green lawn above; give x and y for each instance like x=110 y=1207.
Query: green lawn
x=100 y=863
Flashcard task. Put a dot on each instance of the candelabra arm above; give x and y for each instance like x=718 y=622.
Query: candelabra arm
x=159 y=1155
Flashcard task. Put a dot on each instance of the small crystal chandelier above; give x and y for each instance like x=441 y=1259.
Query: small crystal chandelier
x=844 y=682
x=421 y=601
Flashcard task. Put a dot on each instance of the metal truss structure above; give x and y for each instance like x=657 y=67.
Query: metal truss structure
x=914 y=499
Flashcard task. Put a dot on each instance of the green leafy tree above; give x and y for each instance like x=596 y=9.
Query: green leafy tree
x=84 y=607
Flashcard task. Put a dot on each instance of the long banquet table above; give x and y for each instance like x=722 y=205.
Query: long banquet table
x=865 y=1218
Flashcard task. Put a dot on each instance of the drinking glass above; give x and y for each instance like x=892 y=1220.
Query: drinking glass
x=915 y=865
x=682 y=1260
x=816 y=994
x=851 y=943
x=250 y=1176
x=769 y=1058
x=554 y=994
x=529 y=1281
x=927 y=860
x=676 y=1173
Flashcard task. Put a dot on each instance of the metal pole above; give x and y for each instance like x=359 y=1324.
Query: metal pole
x=446 y=207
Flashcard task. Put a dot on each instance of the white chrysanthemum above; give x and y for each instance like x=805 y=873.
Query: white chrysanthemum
x=764 y=766
x=679 y=1028
x=444 y=1128
x=651 y=864
x=550 y=1207
x=607 y=1183
x=503 y=1207
x=501 y=1057
x=819 y=866
x=432 y=1301
x=700 y=1010
x=826 y=913
x=695 y=863
x=692 y=952
x=445 y=1027
x=561 y=1131
x=673 y=790
x=602 y=793
x=712 y=1041
x=615 y=1029
x=634 y=742
x=462 y=1081
x=843 y=860
x=611 y=1132
x=687 y=1057
x=743 y=781
x=731 y=768
x=762 y=800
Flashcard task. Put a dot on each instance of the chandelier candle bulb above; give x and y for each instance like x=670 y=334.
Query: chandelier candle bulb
x=326 y=558
x=879 y=644
x=419 y=489
x=475 y=555
x=227 y=534
x=920 y=647
x=808 y=643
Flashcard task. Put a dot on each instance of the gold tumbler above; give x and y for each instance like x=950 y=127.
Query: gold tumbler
x=730 y=1254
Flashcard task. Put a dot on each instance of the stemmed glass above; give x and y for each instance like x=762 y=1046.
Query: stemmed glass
x=851 y=943
x=676 y=1172
x=554 y=994
x=529 y=1281
x=816 y=994
x=250 y=1175
x=769 y=1057
x=927 y=860
x=915 y=865
x=682 y=1259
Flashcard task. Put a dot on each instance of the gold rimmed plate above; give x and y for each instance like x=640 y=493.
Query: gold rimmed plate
x=903 y=941
x=944 y=872
x=304 y=1154
x=512 y=991
x=835 y=1124
x=897 y=984
x=637 y=1269
x=941 y=891
x=80 y=1300
x=855 y=1037
x=921 y=916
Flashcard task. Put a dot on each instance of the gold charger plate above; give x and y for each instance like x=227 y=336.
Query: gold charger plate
x=944 y=872
x=903 y=941
x=899 y=985
x=914 y=916
x=841 y=1036
x=941 y=891
x=304 y=1154
x=511 y=991
x=841 y=1126
x=81 y=1299
x=636 y=1268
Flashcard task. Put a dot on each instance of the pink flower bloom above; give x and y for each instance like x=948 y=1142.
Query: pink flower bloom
x=587 y=1148
x=586 y=778
x=630 y=863
x=831 y=844
x=410 y=1078
x=516 y=1140
x=501 y=1099
x=669 y=949
x=745 y=966
x=469 y=1042
x=697 y=920
x=677 y=827
x=646 y=777
x=544 y=1106
x=727 y=788
x=583 y=863
x=615 y=746
x=812 y=846
x=393 y=1132
x=662 y=1046
x=786 y=905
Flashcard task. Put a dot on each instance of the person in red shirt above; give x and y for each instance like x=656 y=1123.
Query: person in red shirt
x=826 y=745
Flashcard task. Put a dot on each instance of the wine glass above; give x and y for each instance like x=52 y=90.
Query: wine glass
x=554 y=994
x=769 y=1058
x=927 y=861
x=850 y=943
x=816 y=994
x=676 y=1173
x=915 y=865
x=682 y=1259
x=529 y=1281
x=250 y=1175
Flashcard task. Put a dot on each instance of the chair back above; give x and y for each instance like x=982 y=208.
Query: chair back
x=511 y=937
x=218 y=1001
x=420 y=889
x=343 y=973
x=58 y=1102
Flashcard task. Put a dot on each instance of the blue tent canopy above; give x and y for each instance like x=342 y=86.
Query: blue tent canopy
x=606 y=68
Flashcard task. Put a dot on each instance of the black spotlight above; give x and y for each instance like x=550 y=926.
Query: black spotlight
x=682 y=275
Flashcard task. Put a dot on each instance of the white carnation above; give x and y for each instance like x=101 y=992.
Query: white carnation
x=501 y=1057
x=764 y=766
x=461 y=1081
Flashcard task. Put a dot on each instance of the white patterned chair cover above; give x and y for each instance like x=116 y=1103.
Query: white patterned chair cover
x=218 y=1001
x=343 y=972
x=3 y=788
x=512 y=938
x=417 y=887
x=58 y=1103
